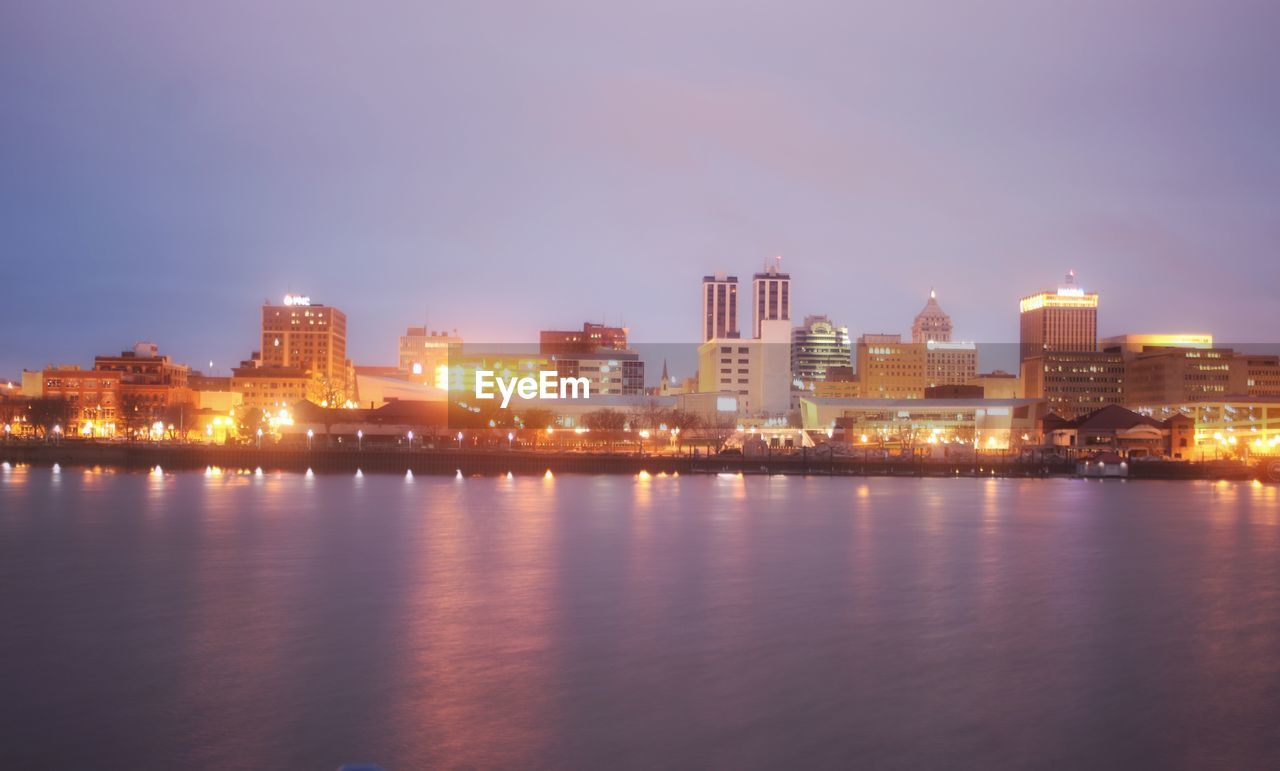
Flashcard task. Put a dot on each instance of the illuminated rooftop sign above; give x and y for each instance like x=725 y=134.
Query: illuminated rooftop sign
x=296 y=299
x=1058 y=300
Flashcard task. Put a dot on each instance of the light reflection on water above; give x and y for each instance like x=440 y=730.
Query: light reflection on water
x=239 y=619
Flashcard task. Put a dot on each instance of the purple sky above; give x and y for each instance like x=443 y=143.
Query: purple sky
x=500 y=168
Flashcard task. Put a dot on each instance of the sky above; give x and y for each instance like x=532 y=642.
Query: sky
x=500 y=168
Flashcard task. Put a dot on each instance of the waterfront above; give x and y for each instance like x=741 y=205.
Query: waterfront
x=301 y=621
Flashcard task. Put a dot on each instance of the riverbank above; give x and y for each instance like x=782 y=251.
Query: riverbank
x=488 y=462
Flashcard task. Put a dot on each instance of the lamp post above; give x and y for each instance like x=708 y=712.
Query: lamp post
x=57 y=433
x=360 y=439
x=410 y=435
x=510 y=437
x=459 y=437
x=259 y=438
x=310 y=435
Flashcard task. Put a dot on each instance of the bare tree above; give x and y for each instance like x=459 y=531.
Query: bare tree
x=46 y=412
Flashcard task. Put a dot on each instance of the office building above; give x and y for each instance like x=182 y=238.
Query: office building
x=1065 y=319
x=948 y=363
x=425 y=355
x=816 y=347
x=1075 y=383
x=300 y=334
x=1132 y=344
x=610 y=372
x=770 y=297
x=888 y=368
x=93 y=396
x=756 y=371
x=719 y=307
x=932 y=324
x=591 y=338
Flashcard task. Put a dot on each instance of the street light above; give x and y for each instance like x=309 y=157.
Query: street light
x=510 y=436
x=57 y=433
x=459 y=440
x=259 y=438
x=410 y=435
x=360 y=439
x=310 y=435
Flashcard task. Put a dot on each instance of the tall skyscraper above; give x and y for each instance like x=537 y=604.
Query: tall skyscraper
x=719 y=307
x=1061 y=320
x=770 y=297
x=932 y=324
x=817 y=347
x=305 y=335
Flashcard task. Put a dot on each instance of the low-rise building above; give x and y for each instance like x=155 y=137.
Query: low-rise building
x=987 y=424
x=94 y=399
x=998 y=385
x=1129 y=434
x=1237 y=426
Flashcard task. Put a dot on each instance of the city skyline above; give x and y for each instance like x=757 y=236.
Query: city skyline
x=417 y=180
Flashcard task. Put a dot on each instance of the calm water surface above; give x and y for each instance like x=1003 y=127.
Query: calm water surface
x=228 y=621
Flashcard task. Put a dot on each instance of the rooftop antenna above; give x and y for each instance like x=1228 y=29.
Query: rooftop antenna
x=932 y=294
x=1071 y=276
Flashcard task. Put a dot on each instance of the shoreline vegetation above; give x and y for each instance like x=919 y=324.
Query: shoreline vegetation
x=471 y=462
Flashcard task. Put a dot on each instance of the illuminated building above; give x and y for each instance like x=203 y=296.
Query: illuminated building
x=941 y=425
x=144 y=365
x=504 y=364
x=598 y=353
x=424 y=355
x=270 y=388
x=300 y=334
x=1075 y=382
x=1133 y=344
x=756 y=371
x=1062 y=320
x=719 y=307
x=1131 y=434
x=889 y=368
x=1167 y=369
x=770 y=297
x=94 y=399
x=591 y=338
x=1241 y=426
x=932 y=324
x=148 y=380
x=816 y=347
